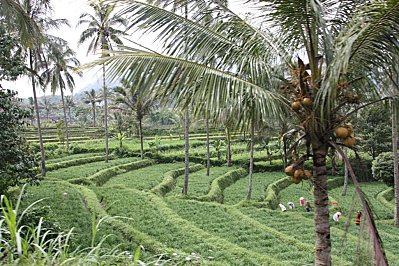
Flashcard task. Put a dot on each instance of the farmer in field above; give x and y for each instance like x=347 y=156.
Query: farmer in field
x=282 y=207
x=307 y=206
x=358 y=216
x=291 y=205
x=301 y=201
x=336 y=216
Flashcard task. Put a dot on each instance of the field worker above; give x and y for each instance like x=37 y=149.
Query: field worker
x=307 y=206
x=336 y=216
x=358 y=216
x=283 y=208
x=290 y=205
x=302 y=201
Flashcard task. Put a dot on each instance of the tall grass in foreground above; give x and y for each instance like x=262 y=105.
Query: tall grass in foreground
x=37 y=245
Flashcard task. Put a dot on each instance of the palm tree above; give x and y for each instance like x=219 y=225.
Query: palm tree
x=341 y=42
x=19 y=19
x=208 y=153
x=394 y=78
x=91 y=97
x=69 y=103
x=33 y=17
x=59 y=74
x=103 y=33
x=138 y=103
x=47 y=106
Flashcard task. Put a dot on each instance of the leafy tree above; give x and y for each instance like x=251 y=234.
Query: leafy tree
x=374 y=129
x=12 y=62
x=104 y=33
x=18 y=164
x=342 y=45
x=383 y=168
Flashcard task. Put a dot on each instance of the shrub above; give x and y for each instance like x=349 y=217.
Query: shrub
x=169 y=181
x=272 y=190
x=222 y=182
x=17 y=163
x=383 y=168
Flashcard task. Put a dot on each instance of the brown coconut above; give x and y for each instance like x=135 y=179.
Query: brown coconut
x=350 y=141
x=296 y=106
x=307 y=102
x=342 y=132
x=307 y=174
x=289 y=170
x=296 y=180
x=299 y=173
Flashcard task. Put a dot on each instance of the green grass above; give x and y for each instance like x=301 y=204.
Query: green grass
x=152 y=217
x=145 y=178
x=214 y=219
x=238 y=191
x=371 y=190
x=294 y=192
x=199 y=182
x=85 y=170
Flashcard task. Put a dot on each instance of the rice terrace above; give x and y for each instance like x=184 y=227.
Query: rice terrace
x=199 y=132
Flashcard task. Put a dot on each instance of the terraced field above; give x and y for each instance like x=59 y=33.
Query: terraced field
x=213 y=233
x=87 y=169
x=199 y=182
x=238 y=191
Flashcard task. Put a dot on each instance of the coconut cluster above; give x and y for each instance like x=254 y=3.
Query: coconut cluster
x=298 y=104
x=345 y=133
x=297 y=173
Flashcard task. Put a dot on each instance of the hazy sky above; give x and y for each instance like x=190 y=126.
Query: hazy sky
x=71 y=10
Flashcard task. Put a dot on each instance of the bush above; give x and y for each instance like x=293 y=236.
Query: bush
x=383 y=168
x=272 y=190
x=221 y=183
x=169 y=181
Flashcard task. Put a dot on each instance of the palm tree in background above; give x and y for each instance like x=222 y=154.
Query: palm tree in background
x=91 y=97
x=138 y=103
x=62 y=63
x=341 y=47
x=102 y=31
x=69 y=103
x=47 y=105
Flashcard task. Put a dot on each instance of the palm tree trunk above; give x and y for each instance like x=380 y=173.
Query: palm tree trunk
x=208 y=153
x=321 y=211
x=186 y=151
x=251 y=160
x=106 y=116
x=228 y=147
x=346 y=175
x=65 y=118
x=69 y=114
x=141 y=139
x=333 y=163
x=395 y=153
x=39 y=128
x=94 y=114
